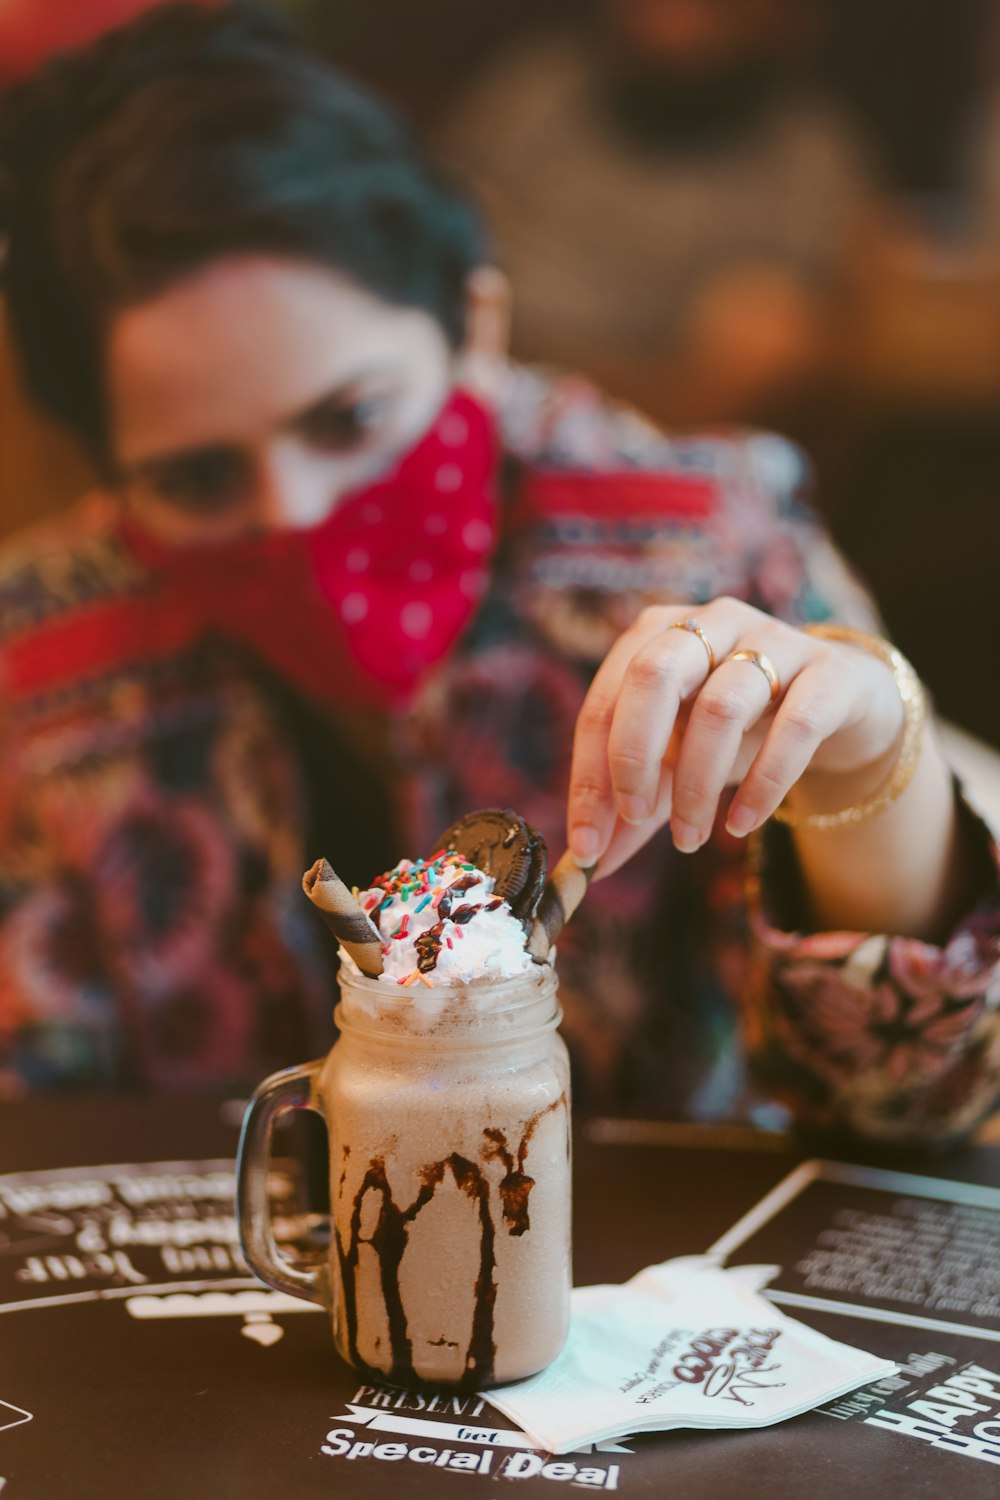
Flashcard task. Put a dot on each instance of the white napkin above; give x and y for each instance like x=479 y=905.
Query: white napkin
x=683 y=1344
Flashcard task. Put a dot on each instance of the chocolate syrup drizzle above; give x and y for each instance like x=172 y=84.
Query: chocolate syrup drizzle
x=390 y=1237
x=515 y=1189
x=430 y=943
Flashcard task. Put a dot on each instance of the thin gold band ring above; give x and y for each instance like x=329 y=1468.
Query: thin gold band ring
x=763 y=664
x=691 y=625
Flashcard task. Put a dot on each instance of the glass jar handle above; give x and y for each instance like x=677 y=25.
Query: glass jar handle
x=294 y=1088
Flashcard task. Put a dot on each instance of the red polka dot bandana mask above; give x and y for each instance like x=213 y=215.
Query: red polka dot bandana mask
x=405 y=563
x=354 y=611
x=358 y=608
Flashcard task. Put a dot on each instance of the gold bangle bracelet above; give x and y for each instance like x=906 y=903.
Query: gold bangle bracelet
x=914 y=698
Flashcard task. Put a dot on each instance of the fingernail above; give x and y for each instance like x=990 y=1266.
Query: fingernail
x=633 y=809
x=585 y=844
x=686 y=838
x=740 y=822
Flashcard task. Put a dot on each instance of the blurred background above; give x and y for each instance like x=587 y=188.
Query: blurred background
x=781 y=212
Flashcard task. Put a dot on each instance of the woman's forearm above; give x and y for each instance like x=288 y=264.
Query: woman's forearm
x=905 y=871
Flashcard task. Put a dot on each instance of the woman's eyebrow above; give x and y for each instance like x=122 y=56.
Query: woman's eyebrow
x=154 y=463
x=341 y=393
x=344 y=389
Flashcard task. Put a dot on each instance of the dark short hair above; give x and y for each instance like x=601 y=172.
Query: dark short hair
x=195 y=133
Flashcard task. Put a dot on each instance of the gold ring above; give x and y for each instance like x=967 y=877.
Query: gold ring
x=764 y=664
x=692 y=626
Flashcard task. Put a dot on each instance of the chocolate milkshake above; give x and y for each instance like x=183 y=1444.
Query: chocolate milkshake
x=450 y=1190
x=449 y=1127
x=446 y=1098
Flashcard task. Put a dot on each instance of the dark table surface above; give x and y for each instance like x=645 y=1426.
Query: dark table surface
x=124 y=1399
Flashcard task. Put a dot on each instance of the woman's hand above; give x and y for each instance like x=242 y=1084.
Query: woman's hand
x=660 y=736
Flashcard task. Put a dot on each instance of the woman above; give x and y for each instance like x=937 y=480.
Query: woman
x=235 y=277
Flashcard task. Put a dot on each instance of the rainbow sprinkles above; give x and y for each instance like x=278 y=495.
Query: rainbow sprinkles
x=441 y=923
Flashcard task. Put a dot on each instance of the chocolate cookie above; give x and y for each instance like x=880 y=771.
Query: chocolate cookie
x=500 y=843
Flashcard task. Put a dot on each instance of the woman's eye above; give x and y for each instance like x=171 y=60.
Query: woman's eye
x=345 y=426
x=204 y=484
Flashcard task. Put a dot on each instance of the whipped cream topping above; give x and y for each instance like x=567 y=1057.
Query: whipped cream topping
x=441 y=924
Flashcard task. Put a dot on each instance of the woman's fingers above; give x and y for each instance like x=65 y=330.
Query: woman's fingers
x=655 y=684
x=814 y=708
x=629 y=715
x=667 y=668
x=591 y=814
x=736 y=696
x=628 y=838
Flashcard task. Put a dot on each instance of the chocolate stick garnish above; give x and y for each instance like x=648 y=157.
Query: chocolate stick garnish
x=346 y=918
x=564 y=890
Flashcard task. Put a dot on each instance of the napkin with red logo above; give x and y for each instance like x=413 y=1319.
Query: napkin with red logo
x=683 y=1344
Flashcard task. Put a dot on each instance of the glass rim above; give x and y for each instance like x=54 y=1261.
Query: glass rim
x=465 y=1039
x=540 y=977
x=487 y=1015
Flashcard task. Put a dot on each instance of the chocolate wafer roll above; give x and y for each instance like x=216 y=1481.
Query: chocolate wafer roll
x=346 y=918
x=565 y=889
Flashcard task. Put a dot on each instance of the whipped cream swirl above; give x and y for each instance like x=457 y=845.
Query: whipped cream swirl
x=442 y=924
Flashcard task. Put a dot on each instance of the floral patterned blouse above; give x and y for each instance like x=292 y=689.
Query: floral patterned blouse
x=155 y=821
